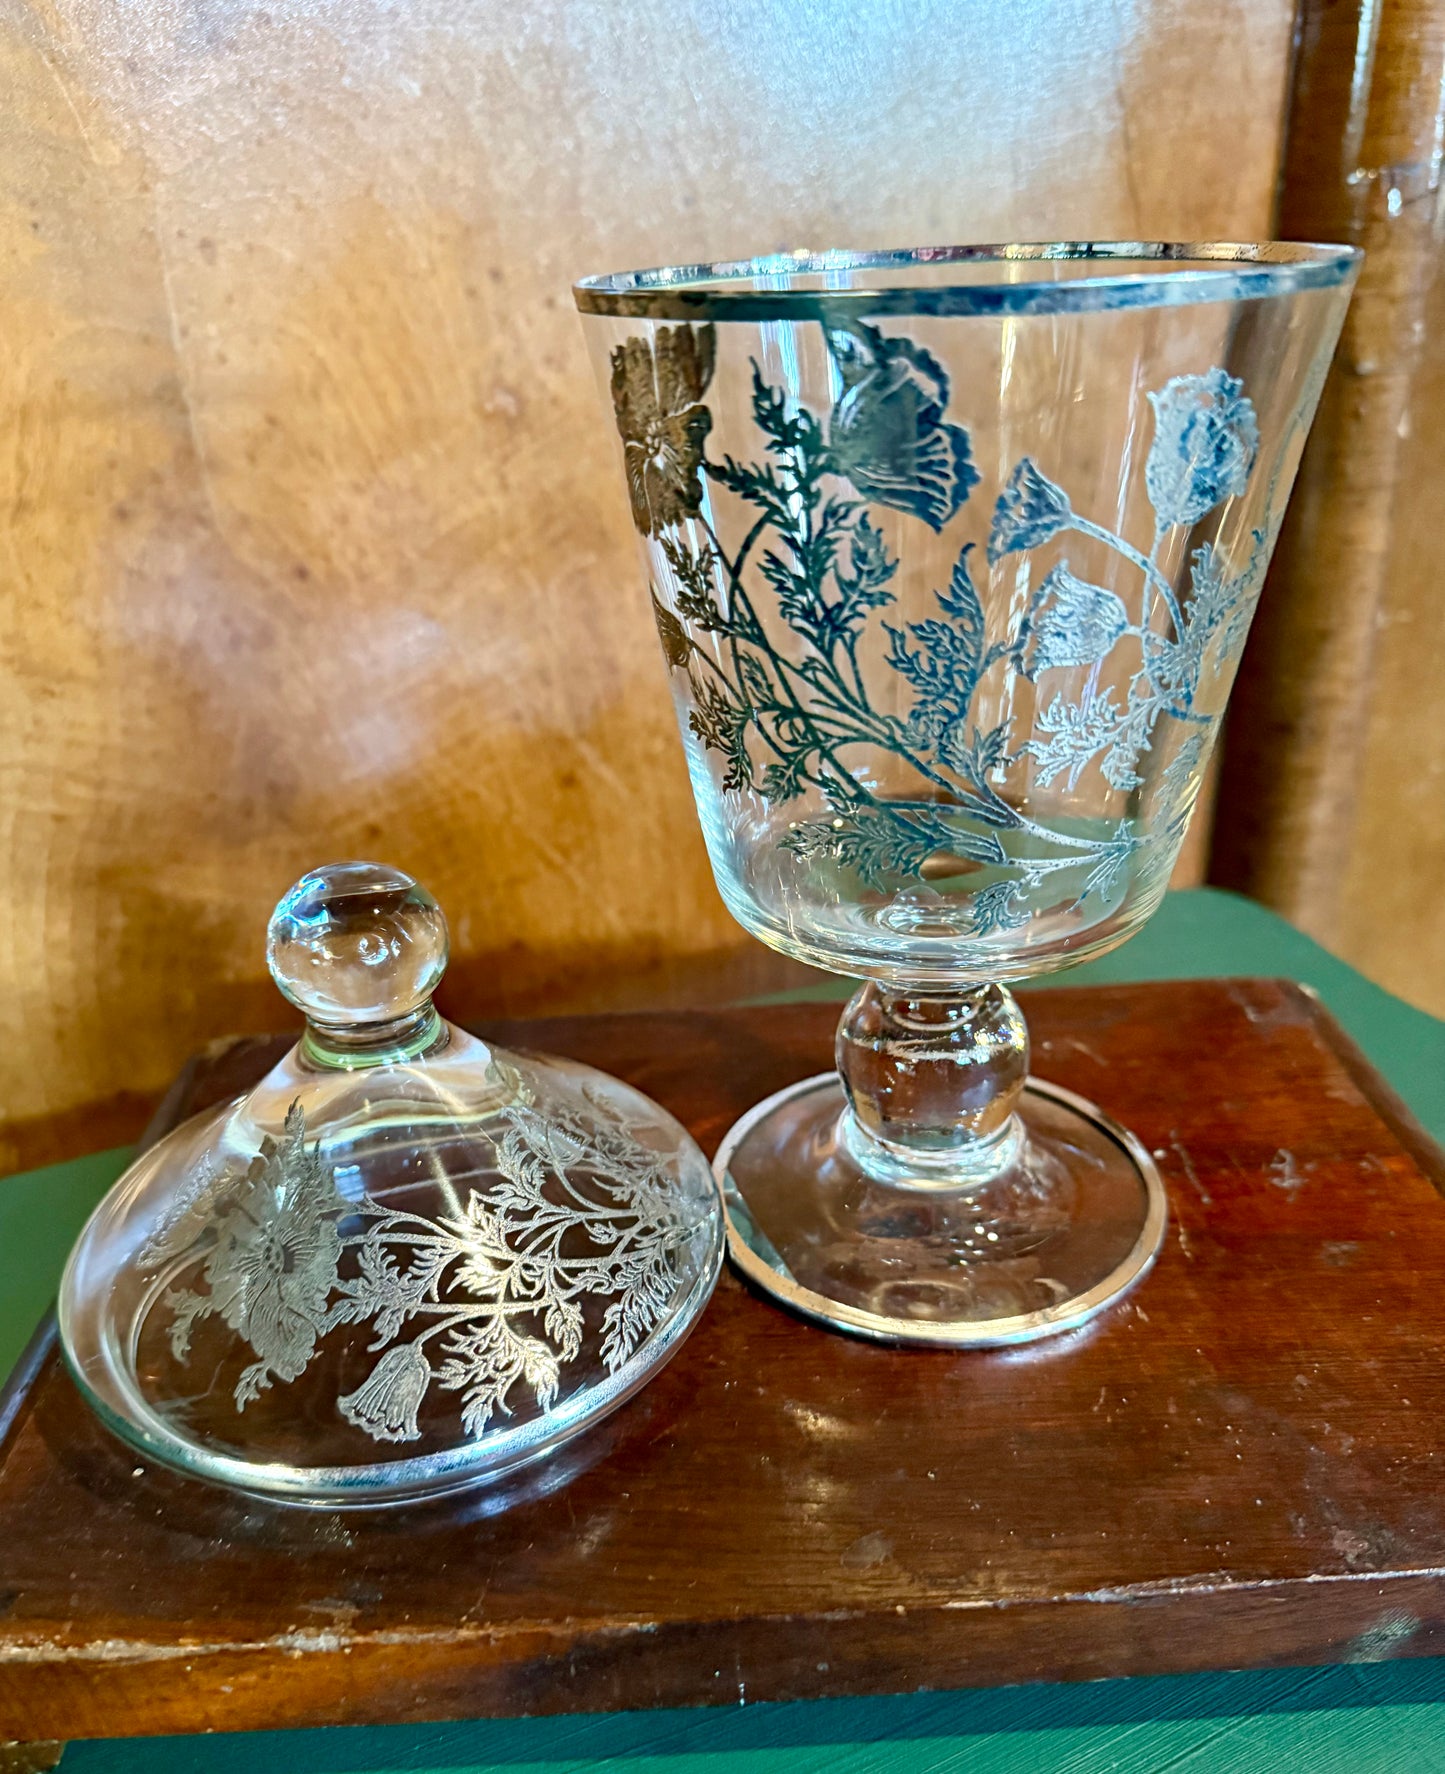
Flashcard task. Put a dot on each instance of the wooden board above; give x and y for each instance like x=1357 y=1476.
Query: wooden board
x=1241 y=1465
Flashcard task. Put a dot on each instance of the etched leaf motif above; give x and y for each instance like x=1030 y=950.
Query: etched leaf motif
x=975 y=754
x=633 y=1314
x=541 y=1370
x=881 y=846
x=946 y=660
x=722 y=726
x=1206 y=438
x=887 y=432
x=693 y=572
x=1178 y=787
x=1120 y=764
x=755 y=680
x=785 y=781
x=863 y=584
x=484 y=1258
x=961 y=601
x=483 y=1364
x=187 y=1308
x=675 y=645
x=1077 y=732
x=999 y=906
x=1111 y=868
x=1073 y=623
x=1243 y=593
x=385 y=1291
x=563 y=1321
x=1030 y=510
x=1216 y=618
x=192 y=1213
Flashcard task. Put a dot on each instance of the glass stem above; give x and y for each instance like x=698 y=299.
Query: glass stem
x=932 y=1083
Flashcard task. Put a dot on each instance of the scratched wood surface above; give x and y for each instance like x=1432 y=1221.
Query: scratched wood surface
x=312 y=542
x=1238 y=1467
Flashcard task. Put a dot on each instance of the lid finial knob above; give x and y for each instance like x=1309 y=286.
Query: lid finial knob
x=354 y=943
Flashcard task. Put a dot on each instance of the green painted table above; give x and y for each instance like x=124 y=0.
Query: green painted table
x=1360 y=1719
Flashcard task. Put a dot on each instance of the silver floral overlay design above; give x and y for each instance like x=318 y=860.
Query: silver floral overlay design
x=796 y=718
x=488 y=1303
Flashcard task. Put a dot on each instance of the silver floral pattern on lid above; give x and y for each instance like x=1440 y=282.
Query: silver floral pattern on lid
x=406 y=1258
x=270 y=1256
x=573 y=1212
x=386 y=1402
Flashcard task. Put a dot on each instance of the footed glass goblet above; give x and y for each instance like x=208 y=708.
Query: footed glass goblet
x=952 y=554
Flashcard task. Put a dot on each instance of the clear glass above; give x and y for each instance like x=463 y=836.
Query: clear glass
x=952 y=555
x=406 y=1260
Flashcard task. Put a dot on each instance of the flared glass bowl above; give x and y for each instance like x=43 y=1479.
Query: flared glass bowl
x=952 y=554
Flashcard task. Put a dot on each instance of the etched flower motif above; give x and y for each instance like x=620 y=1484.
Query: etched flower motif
x=887 y=432
x=386 y=1402
x=576 y=1207
x=274 y=1264
x=657 y=390
x=1206 y=438
x=1071 y=623
x=1030 y=509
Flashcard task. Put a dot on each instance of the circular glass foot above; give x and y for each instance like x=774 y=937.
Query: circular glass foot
x=1043 y=1247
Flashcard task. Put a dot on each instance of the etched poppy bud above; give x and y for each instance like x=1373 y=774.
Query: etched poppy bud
x=1206 y=438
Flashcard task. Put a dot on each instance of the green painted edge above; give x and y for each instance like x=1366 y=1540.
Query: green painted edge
x=1358 y=1719
x=41 y=1212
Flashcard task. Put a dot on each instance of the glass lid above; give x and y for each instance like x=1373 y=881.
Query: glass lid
x=407 y=1259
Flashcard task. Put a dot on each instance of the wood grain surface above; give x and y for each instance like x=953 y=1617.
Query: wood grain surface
x=312 y=541
x=1239 y=1466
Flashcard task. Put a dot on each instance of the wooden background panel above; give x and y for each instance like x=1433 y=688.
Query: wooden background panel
x=1390 y=923
x=1333 y=780
x=312 y=541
